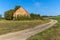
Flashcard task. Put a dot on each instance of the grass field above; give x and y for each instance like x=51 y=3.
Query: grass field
x=12 y=26
x=52 y=33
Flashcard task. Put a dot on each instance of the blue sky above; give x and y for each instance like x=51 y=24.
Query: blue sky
x=43 y=7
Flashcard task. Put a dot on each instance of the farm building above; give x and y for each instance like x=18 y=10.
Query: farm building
x=21 y=12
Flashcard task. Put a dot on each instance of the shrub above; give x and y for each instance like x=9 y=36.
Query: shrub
x=9 y=15
x=22 y=18
x=35 y=16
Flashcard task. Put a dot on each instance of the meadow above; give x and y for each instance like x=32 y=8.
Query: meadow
x=7 y=26
x=52 y=33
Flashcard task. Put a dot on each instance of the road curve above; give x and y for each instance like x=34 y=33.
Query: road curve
x=24 y=34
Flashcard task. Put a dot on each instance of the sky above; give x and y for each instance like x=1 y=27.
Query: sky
x=42 y=7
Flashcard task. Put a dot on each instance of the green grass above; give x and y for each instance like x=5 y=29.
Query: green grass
x=12 y=26
x=52 y=33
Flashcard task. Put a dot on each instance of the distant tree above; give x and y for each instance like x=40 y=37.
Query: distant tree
x=0 y=16
x=45 y=16
x=35 y=16
x=9 y=15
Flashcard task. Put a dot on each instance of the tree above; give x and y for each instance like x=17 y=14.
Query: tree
x=9 y=15
x=0 y=16
x=17 y=7
x=35 y=16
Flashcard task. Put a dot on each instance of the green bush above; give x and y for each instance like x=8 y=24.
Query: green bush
x=22 y=18
x=9 y=15
x=35 y=16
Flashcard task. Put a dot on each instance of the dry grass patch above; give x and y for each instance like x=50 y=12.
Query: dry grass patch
x=12 y=26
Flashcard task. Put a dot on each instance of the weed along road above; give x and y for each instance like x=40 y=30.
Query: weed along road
x=24 y=34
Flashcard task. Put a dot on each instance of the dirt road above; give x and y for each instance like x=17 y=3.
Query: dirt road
x=24 y=34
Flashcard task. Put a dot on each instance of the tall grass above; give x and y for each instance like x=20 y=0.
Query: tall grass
x=12 y=26
x=52 y=33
